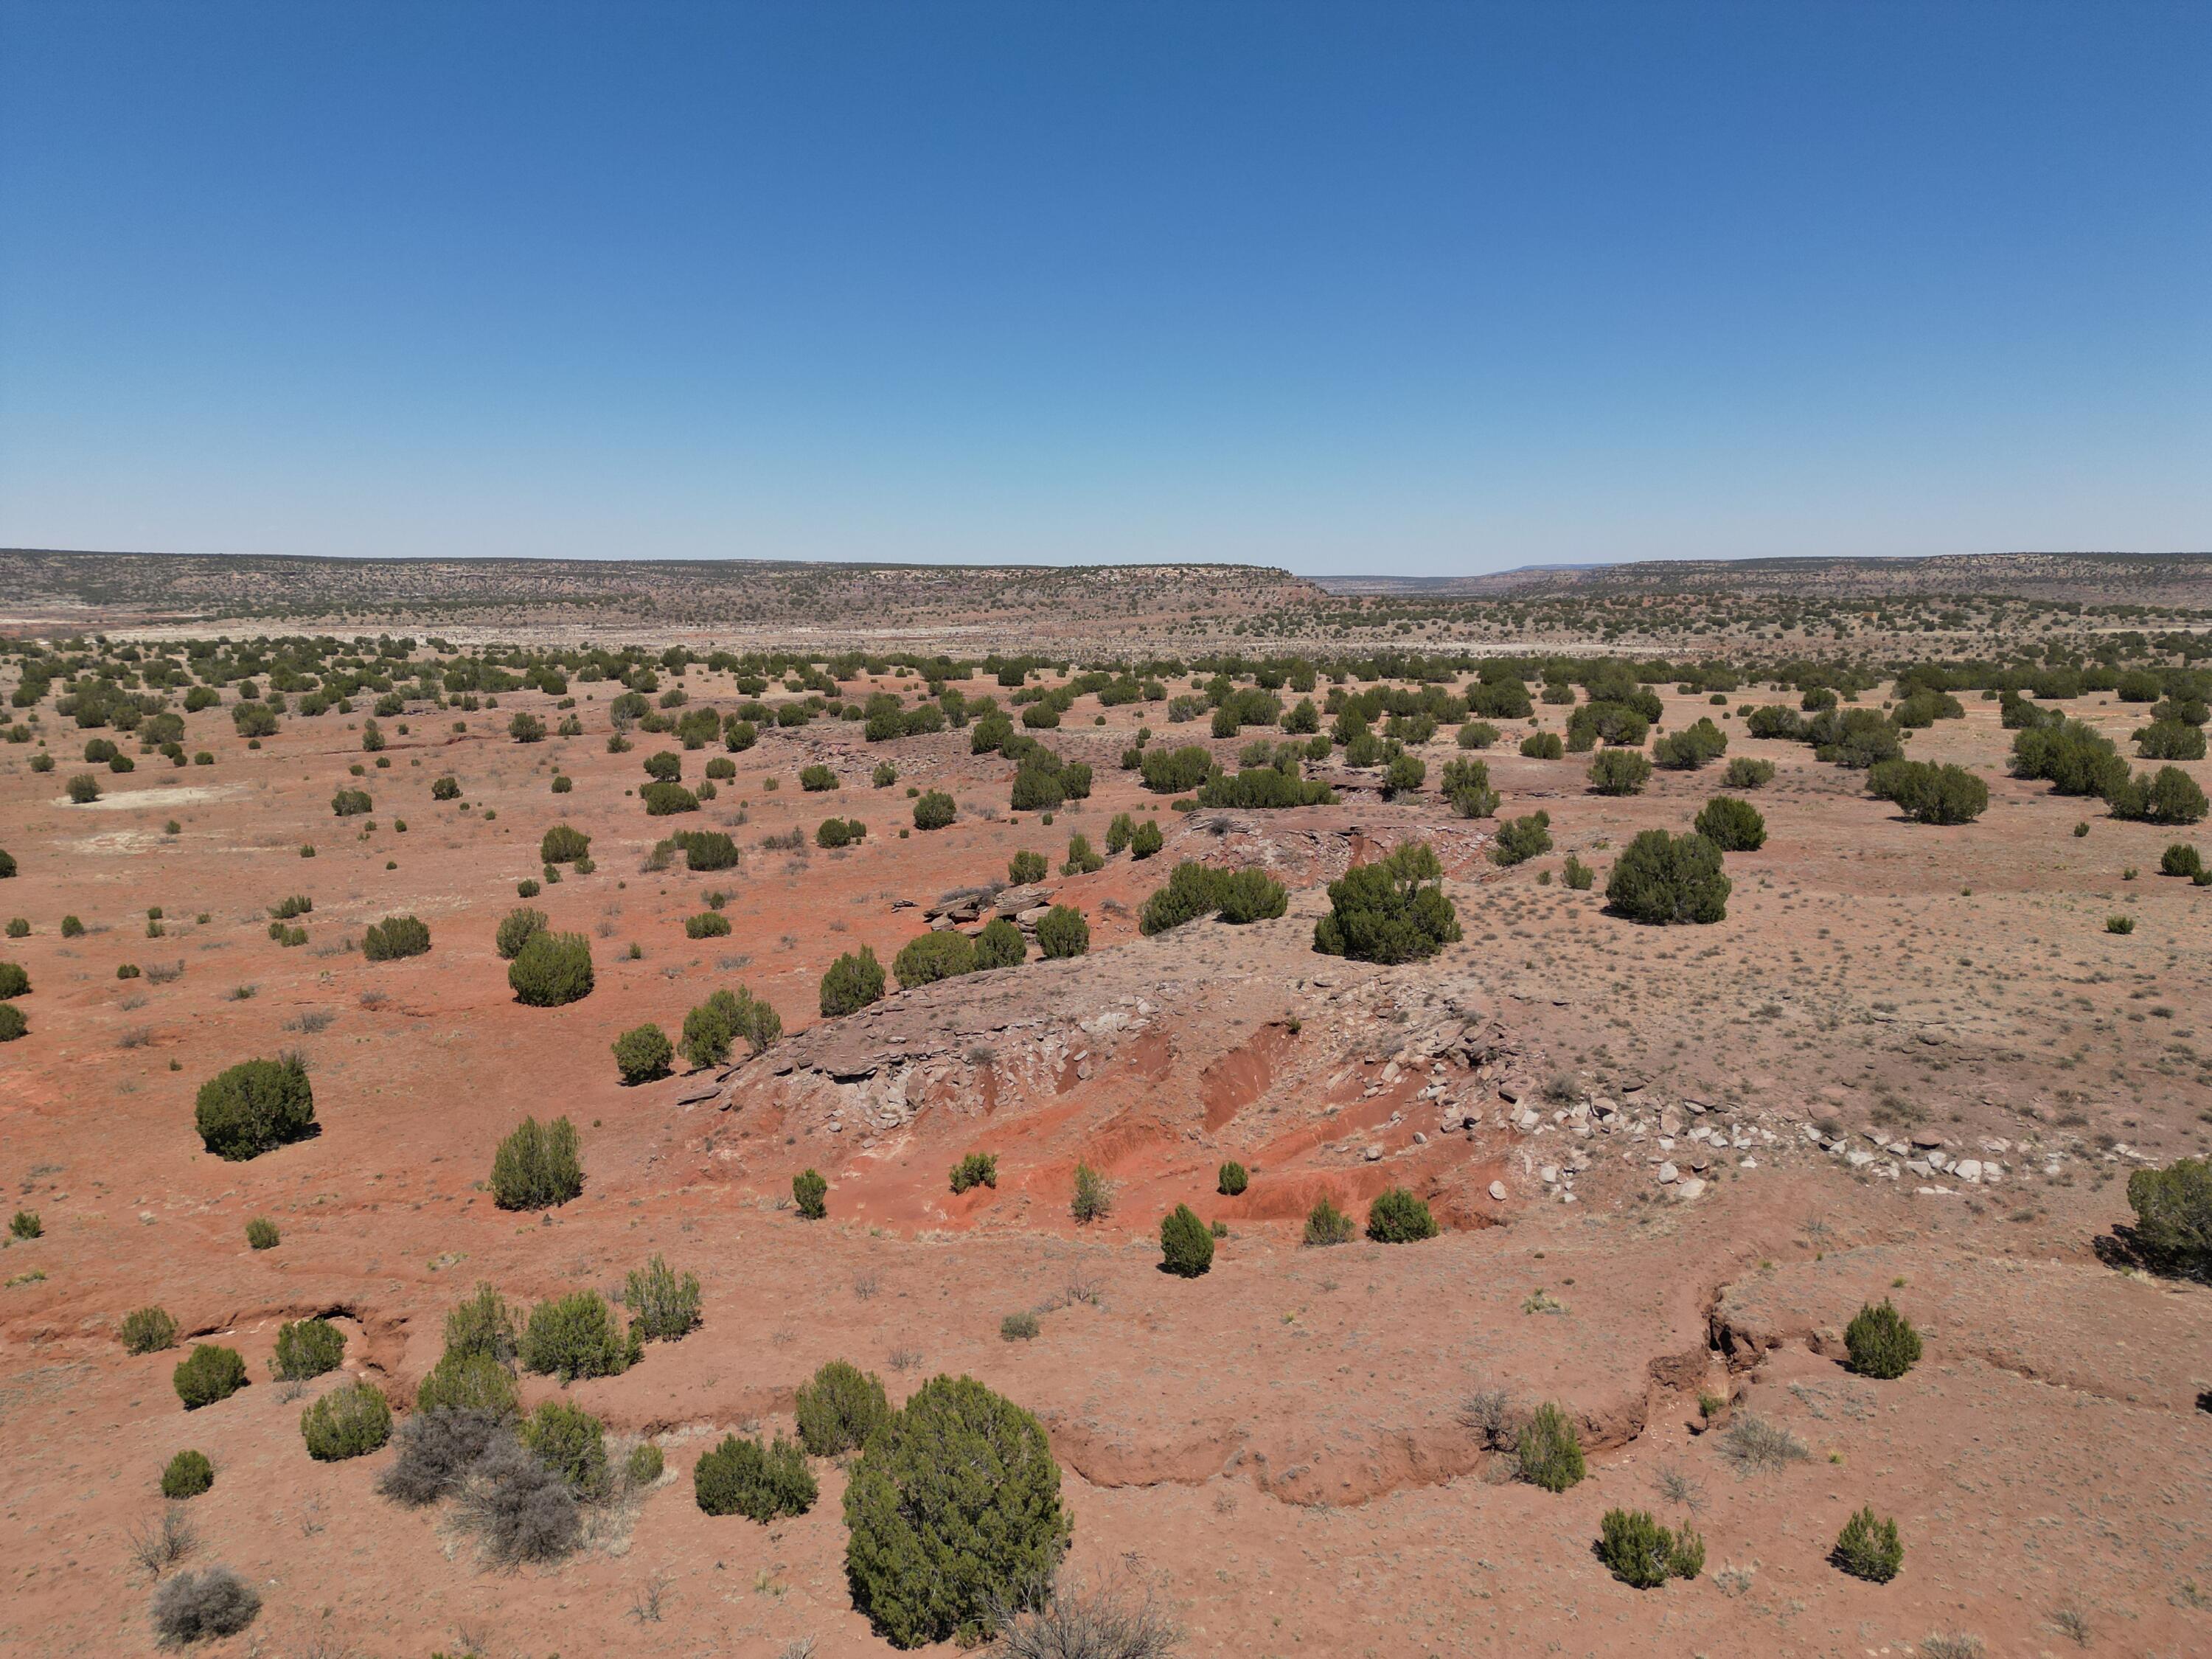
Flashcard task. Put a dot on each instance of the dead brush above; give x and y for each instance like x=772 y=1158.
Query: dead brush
x=1755 y=1445
x=157 y=1546
x=1076 y=1620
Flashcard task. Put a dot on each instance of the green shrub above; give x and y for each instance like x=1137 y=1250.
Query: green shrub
x=815 y=780
x=1232 y=1179
x=577 y=1335
x=526 y=888
x=572 y=1443
x=853 y=981
x=840 y=1409
x=1186 y=1244
x=551 y=969
x=396 y=937
x=1662 y=878
x=255 y=1107
x=999 y=944
x=261 y=1234
x=1465 y=785
x=208 y=1374
x=537 y=1166
x=2172 y=1231
x=467 y=1381
x=1082 y=859
x=14 y=981
x=1396 y=1216
x=1732 y=825
x=446 y=788
x=1693 y=746
x=811 y=1193
x=1394 y=910
x=1092 y=1200
x=147 y=1330
x=7 y=864
x=306 y=1348
x=351 y=804
x=1543 y=745
x=1061 y=932
x=1618 y=772
x=977 y=1169
x=643 y=1053
x=722 y=1019
x=1175 y=771
x=2170 y=740
x=1478 y=734
x=664 y=800
x=2120 y=924
x=1327 y=1224
x=663 y=766
x=1550 y=1451
x=2077 y=759
x=189 y=1473
x=1881 y=1341
x=1522 y=839
x=706 y=924
x=26 y=1225
x=1022 y=1327
x=349 y=1421
x=2180 y=860
x=953 y=1514
x=645 y=1465
x=1640 y=1553
x=1929 y=794
x=932 y=957
x=13 y=1024
x=708 y=850
x=664 y=1308
x=2167 y=796
x=933 y=810
x=1869 y=1548
x=84 y=789
x=1024 y=868
x=743 y=1477
x=1145 y=840
x=1745 y=773
x=1577 y=875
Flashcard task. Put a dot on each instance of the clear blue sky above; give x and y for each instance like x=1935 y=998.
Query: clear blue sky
x=1417 y=287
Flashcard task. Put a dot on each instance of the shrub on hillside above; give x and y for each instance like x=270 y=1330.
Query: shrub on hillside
x=349 y=1421
x=1091 y=1198
x=1928 y=794
x=933 y=810
x=208 y=1374
x=2180 y=858
x=664 y=800
x=515 y=931
x=809 y=1195
x=551 y=969
x=1393 y=911
x=537 y=1166
x=1695 y=745
x=1025 y=867
x=2169 y=796
x=563 y=845
x=853 y=981
x=708 y=850
x=306 y=1348
x=726 y=1018
x=394 y=938
x=977 y=1169
x=1061 y=932
x=708 y=924
x=1543 y=745
x=1186 y=1243
x=1662 y=878
x=664 y=1307
x=467 y=1382
x=187 y=1475
x=255 y=1107
x=1396 y=1216
x=1618 y=772
x=577 y=1335
x=2172 y=1231
x=1232 y=1179
x=1868 y=1547
x=14 y=981
x=2170 y=740
x=205 y=1606
x=816 y=779
x=571 y=1442
x=839 y=1409
x=1175 y=771
x=1881 y=1341
x=1522 y=839
x=2074 y=758
x=1327 y=1224
x=1549 y=1450
x=999 y=944
x=953 y=1514
x=446 y=788
x=1465 y=785
x=743 y=1477
x=351 y=804
x=1746 y=773
x=146 y=1330
x=931 y=957
x=643 y=1053
x=1643 y=1554
x=1732 y=825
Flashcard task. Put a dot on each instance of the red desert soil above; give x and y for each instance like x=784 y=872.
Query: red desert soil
x=1704 y=1139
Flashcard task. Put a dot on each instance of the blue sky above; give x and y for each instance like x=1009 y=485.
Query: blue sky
x=1425 y=289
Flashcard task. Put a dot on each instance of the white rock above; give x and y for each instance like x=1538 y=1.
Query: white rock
x=1969 y=1170
x=1689 y=1189
x=1373 y=1153
x=1497 y=1191
x=1667 y=1172
x=1857 y=1159
x=1548 y=1174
